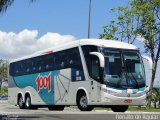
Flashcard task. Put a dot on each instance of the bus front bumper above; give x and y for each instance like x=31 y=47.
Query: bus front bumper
x=108 y=99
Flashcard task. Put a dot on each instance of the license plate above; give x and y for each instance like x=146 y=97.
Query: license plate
x=128 y=101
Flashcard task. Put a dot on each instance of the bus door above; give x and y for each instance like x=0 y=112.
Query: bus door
x=94 y=72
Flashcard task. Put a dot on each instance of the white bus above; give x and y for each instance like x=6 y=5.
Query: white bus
x=86 y=73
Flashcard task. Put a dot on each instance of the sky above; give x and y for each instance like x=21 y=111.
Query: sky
x=61 y=16
x=25 y=24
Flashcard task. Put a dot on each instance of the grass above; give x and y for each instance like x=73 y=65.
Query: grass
x=4 y=90
x=143 y=109
x=134 y=109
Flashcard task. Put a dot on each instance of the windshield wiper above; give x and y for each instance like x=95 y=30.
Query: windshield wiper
x=129 y=71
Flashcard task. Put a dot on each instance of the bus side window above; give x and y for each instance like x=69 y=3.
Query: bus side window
x=16 y=69
x=19 y=68
x=67 y=59
x=71 y=59
x=62 y=60
x=37 y=64
x=56 y=61
x=91 y=61
x=94 y=67
x=76 y=60
x=28 y=66
x=12 y=69
x=75 y=63
x=48 y=62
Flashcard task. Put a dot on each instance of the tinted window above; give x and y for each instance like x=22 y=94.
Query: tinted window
x=74 y=59
x=37 y=64
x=91 y=61
x=19 y=68
x=69 y=58
x=11 y=70
x=48 y=62
x=94 y=67
x=60 y=62
x=28 y=66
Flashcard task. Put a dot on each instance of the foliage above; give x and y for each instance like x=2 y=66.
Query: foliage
x=149 y=12
x=142 y=109
x=156 y=97
x=124 y=28
x=110 y=31
x=4 y=90
x=3 y=70
x=4 y=4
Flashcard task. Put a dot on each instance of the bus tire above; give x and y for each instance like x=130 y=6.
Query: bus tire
x=82 y=102
x=20 y=102
x=28 y=102
x=119 y=108
x=56 y=107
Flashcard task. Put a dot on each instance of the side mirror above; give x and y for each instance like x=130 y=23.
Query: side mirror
x=148 y=59
x=100 y=56
x=148 y=68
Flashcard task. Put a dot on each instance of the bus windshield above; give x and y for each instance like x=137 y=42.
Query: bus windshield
x=123 y=69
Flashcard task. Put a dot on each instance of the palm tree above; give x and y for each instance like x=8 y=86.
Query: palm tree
x=4 y=4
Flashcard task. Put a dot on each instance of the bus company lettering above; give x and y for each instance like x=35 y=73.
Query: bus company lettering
x=43 y=82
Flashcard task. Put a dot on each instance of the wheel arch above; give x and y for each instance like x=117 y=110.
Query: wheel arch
x=82 y=90
x=26 y=94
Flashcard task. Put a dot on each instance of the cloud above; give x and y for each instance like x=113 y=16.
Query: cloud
x=14 y=45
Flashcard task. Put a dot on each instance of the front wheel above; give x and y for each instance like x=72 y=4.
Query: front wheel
x=119 y=108
x=82 y=102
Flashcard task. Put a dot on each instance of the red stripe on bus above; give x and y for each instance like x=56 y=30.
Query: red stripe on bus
x=47 y=52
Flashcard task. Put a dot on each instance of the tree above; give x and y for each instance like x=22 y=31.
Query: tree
x=142 y=17
x=124 y=28
x=4 y=4
x=3 y=71
x=150 y=30
x=155 y=97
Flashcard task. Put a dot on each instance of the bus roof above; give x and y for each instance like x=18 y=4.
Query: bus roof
x=75 y=43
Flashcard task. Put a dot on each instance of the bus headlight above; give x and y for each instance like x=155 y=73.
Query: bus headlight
x=110 y=91
x=144 y=92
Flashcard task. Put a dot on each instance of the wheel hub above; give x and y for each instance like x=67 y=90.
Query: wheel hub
x=83 y=101
x=20 y=101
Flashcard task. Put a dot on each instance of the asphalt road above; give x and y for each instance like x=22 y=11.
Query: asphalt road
x=9 y=112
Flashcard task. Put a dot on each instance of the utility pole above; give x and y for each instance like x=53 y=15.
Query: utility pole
x=89 y=18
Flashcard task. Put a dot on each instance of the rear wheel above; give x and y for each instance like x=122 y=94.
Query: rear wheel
x=20 y=102
x=56 y=107
x=82 y=102
x=28 y=102
x=119 y=108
